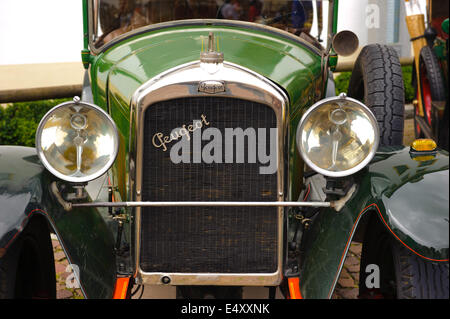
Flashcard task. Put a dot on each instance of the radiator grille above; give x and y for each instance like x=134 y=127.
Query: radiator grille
x=207 y=239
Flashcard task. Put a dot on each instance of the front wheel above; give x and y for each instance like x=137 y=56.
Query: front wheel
x=27 y=270
x=403 y=274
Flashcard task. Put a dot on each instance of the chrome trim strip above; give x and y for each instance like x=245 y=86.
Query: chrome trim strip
x=183 y=81
x=204 y=204
x=213 y=279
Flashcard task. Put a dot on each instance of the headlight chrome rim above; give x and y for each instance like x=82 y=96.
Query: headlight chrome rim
x=342 y=97
x=68 y=178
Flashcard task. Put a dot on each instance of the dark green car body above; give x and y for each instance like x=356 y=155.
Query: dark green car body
x=409 y=195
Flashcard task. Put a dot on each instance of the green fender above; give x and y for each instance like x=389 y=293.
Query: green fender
x=410 y=196
x=84 y=235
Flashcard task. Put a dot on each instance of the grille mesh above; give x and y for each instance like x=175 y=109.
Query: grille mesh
x=207 y=239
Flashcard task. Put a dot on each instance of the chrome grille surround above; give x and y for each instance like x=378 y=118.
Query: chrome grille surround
x=183 y=81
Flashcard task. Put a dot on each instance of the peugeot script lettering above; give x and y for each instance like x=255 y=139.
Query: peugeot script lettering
x=159 y=140
x=238 y=145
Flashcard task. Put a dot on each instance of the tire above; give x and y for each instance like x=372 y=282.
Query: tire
x=403 y=274
x=431 y=82
x=418 y=278
x=377 y=81
x=27 y=270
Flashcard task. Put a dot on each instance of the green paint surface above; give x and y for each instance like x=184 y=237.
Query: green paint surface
x=410 y=196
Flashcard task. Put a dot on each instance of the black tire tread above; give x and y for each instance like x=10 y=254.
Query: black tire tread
x=414 y=276
x=434 y=74
x=420 y=278
x=378 y=81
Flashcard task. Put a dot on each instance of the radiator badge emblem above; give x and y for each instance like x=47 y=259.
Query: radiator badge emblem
x=211 y=87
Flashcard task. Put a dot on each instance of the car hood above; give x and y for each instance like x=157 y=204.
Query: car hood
x=291 y=63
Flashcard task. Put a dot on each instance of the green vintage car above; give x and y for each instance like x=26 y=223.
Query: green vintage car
x=209 y=152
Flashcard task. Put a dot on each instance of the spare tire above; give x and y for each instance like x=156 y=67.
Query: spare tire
x=377 y=81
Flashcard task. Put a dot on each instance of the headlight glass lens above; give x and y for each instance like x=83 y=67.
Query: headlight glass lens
x=77 y=142
x=338 y=136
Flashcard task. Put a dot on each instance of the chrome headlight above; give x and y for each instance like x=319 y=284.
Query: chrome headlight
x=77 y=142
x=338 y=136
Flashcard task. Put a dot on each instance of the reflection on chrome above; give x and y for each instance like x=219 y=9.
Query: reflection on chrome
x=337 y=136
x=77 y=143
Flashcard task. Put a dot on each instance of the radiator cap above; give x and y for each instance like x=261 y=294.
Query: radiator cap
x=211 y=55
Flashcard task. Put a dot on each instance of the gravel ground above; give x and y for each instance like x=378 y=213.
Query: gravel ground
x=346 y=288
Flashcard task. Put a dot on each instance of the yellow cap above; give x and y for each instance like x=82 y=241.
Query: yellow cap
x=423 y=145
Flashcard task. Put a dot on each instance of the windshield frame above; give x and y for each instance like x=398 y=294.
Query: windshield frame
x=92 y=21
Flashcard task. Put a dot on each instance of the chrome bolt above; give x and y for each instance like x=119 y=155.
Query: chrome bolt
x=76 y=99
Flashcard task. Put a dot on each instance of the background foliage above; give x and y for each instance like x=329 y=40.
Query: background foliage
x=343 y=78
x=18 y=121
